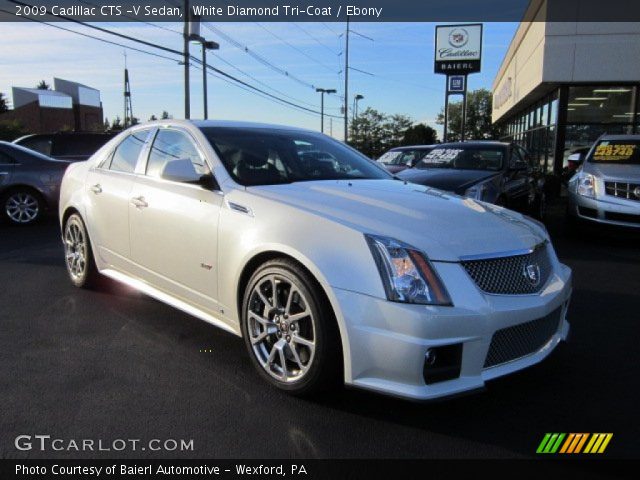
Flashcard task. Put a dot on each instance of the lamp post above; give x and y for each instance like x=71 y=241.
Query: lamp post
x=357 y=98
x=322 y=91
x=206 y=45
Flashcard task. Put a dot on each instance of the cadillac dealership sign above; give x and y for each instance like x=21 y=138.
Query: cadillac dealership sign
x=458 y=49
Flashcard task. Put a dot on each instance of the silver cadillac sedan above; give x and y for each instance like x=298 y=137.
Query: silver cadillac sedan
x=330 y=269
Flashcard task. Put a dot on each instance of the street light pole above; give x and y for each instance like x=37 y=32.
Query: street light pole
x=355 y=113
x=206 y=45
x=187 y=99
x=346 y=84
x=322 y=91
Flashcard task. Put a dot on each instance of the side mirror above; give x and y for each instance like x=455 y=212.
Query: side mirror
x=182 y=170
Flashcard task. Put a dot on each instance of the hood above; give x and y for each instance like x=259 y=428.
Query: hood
x=452 y=180
x=444 y=226
x=624 y=173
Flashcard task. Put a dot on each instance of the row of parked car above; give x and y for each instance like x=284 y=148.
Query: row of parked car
x=603 y=181
x=31 y=170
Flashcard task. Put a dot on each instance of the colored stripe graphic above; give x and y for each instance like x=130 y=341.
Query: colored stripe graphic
x=573 y=443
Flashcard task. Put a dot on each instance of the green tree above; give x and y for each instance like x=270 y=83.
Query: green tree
x=135 y=121
x=367 y=133
x=478 y=124
x=165 y=115
x=43 y=85
x=152 y=118
x=107 y=125
x=4 y=104
x=420 y=134
x=11 y=130
x=116 y=124
x=396 y=126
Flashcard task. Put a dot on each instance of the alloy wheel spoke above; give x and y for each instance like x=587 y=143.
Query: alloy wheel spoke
x=303 y=341
x=296 y=357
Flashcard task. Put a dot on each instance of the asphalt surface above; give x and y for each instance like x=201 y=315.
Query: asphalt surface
x=115 y=364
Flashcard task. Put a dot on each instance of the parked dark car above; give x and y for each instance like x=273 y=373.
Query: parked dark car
x=494 y=172
x=29 y=183
x=401 y=158
x=72 y=146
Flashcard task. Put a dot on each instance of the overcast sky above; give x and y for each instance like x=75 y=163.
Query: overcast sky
x=400 y=59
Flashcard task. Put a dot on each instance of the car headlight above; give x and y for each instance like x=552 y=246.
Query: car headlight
x=476 y=191
x=586 y=185
x=406 y=273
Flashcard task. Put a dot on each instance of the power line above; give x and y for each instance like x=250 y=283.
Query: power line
x=313 y=38
x=257 y=56
x=295 y=48
x=193 y=59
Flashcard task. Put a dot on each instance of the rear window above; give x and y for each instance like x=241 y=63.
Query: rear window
x=617 y=151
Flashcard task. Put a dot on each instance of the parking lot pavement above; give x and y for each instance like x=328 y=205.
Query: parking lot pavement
x=115 y=364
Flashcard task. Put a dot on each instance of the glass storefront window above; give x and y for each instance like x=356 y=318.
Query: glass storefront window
x=594 y=104
x=554 y=112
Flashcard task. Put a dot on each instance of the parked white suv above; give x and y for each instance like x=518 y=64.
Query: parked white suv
x=330 y=270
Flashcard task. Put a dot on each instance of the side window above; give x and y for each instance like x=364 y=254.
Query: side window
x=172 y=145
x=126 y=154
x=39 y=144
x=516 y=160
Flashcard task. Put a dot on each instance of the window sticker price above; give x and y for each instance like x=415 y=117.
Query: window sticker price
x=618 y=152
x=442 y=155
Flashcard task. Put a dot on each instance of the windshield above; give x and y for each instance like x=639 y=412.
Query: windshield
x=266 y=157
x=464 y=158
x=403 y=157
x=617 y=151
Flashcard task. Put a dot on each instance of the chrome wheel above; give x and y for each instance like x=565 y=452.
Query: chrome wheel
x=22 y=207
x=281 y=328
x=75 y=249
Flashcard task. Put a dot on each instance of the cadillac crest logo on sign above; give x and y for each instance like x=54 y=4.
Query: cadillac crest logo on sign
x=458 y=38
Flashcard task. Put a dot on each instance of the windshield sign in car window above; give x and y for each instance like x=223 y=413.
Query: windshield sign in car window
x=442 y=155
x=618 y=151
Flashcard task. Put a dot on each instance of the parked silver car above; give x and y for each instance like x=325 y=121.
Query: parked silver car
x=606 y=187
x=29 y=183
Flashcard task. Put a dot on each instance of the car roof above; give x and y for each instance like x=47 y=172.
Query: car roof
x=411 y=147
x=474 y=143
x=620 y=137
x=226 y=124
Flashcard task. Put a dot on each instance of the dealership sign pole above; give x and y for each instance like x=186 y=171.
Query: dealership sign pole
x=458 y=52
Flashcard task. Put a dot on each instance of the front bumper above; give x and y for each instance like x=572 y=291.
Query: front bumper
x=605 y=209
x=387 y=341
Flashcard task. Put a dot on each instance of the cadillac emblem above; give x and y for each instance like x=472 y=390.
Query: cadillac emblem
x=532 y=274
x=458 y=37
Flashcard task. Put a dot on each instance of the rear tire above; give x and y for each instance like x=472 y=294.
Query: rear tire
x=79 y=259
x=22 y=206
x=289 y=329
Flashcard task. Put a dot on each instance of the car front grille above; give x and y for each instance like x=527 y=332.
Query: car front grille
x=518 y=341
x=512 y=275
x=630 y=191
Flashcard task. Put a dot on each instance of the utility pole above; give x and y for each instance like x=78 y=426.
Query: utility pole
x=322 y=91
x=346 y=84
x=128 y=109
x=187 y=99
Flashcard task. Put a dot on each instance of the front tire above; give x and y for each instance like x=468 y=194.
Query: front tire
x=78 y=255
x=289 y=329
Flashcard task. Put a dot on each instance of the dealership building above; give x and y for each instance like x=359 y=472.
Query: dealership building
x=563 y=84
x=70 y=106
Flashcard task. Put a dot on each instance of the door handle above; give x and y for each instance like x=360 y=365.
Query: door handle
x=97 y=188
x=139 y=202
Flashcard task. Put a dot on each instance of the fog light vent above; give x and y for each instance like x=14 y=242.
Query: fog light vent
x=442 y=363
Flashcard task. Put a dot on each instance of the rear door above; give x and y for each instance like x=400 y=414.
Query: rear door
x=109 y=187
x=174 y=225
